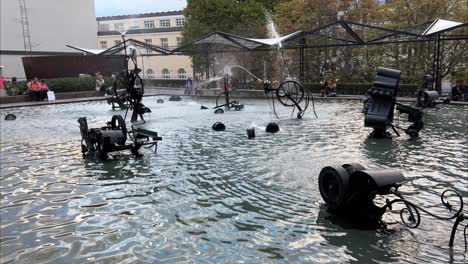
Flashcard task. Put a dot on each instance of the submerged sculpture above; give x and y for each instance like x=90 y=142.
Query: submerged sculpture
x=349 y=191
x=113 y=137
x=10 y=117
x=379 y=106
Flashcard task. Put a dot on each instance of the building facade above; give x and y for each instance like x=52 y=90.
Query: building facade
x=45 y=27
x=162 y=29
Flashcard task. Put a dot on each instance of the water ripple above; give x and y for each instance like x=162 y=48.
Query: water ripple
x=211 y=196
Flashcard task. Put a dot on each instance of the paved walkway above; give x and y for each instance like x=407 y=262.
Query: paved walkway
x=173 y=91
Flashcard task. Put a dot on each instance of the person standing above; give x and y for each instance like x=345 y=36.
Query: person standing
x=2 y=85
x=100 y=84
x=188 y=86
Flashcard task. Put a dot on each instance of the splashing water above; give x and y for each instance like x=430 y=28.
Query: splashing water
x=271 y=28
x=212 y=79
x=227 y=70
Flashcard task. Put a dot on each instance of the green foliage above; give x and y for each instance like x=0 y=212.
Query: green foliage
x=17 y=89
x=62 y=85
x=246 y=18
x=358 y=64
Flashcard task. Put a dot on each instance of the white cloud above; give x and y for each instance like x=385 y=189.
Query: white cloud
x=128 y=7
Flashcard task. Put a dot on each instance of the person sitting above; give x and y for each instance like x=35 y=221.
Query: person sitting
x=34 y=90
x=324 y=89
x=332 y=89
x=44 y=89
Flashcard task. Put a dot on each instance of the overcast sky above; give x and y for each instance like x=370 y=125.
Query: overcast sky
x=127 y=7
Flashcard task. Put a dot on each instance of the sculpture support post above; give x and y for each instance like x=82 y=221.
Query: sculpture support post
x=437 y=74
x=301 y=60
x=226 y=90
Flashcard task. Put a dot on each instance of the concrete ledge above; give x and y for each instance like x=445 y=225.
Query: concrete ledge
x=58 y=96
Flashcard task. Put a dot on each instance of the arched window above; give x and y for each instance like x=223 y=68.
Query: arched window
x=182 y=74
x=166 y=74
x=149 y=74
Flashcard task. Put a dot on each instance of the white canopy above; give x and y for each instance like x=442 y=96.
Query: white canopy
x=441 y=25
x=276 y=41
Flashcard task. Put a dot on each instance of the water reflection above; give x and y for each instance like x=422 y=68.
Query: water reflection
x=209 y=196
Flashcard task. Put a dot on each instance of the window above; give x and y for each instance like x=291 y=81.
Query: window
x=164 y=23
x=149 y=74
x=166 y=74
x=103 y=44
x=164 y=43
x=119 y=26
x=117 y=42
x=182 y=74
x=180 y=22
x=134 y=25
x=149 y=24
x=179 y=42
x=103 y=27
x=149 y=41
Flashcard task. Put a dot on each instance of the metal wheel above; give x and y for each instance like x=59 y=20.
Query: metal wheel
x=219 y=96
x=288 y=91
x=120 y=84
x=333 y=186
x=118 y=123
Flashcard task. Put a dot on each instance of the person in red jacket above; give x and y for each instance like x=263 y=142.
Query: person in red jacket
x=34 y=90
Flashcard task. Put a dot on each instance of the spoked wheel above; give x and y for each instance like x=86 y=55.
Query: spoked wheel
x=118 y=123
x=120 y=84
x=219 y=96
x=288 y=91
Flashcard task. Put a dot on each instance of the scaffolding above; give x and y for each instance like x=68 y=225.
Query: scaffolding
x=25 y=26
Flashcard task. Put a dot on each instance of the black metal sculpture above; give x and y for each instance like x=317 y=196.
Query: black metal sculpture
x=128 y=88
x=228 y=103
x=113 y=137
x=379 y=106
x=427 y=98
x=10 y=117
x=289 y=93
x=349 y=191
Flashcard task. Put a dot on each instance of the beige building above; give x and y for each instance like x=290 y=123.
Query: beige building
x=43 y=28
x=162 y=29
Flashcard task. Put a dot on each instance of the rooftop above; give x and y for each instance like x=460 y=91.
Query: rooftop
x=157 y=14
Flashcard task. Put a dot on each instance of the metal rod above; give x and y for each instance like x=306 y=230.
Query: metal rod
x=438 y=77
x=460 y=219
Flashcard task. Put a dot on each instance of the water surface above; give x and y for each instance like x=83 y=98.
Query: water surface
x=218 y=197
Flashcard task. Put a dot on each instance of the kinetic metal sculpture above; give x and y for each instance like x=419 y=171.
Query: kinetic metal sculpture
x=228 y=104
x=426 y=98
x=128 y=89
x=289 y=93
x=379 y=106
x=113 y=137
x=349 y=191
